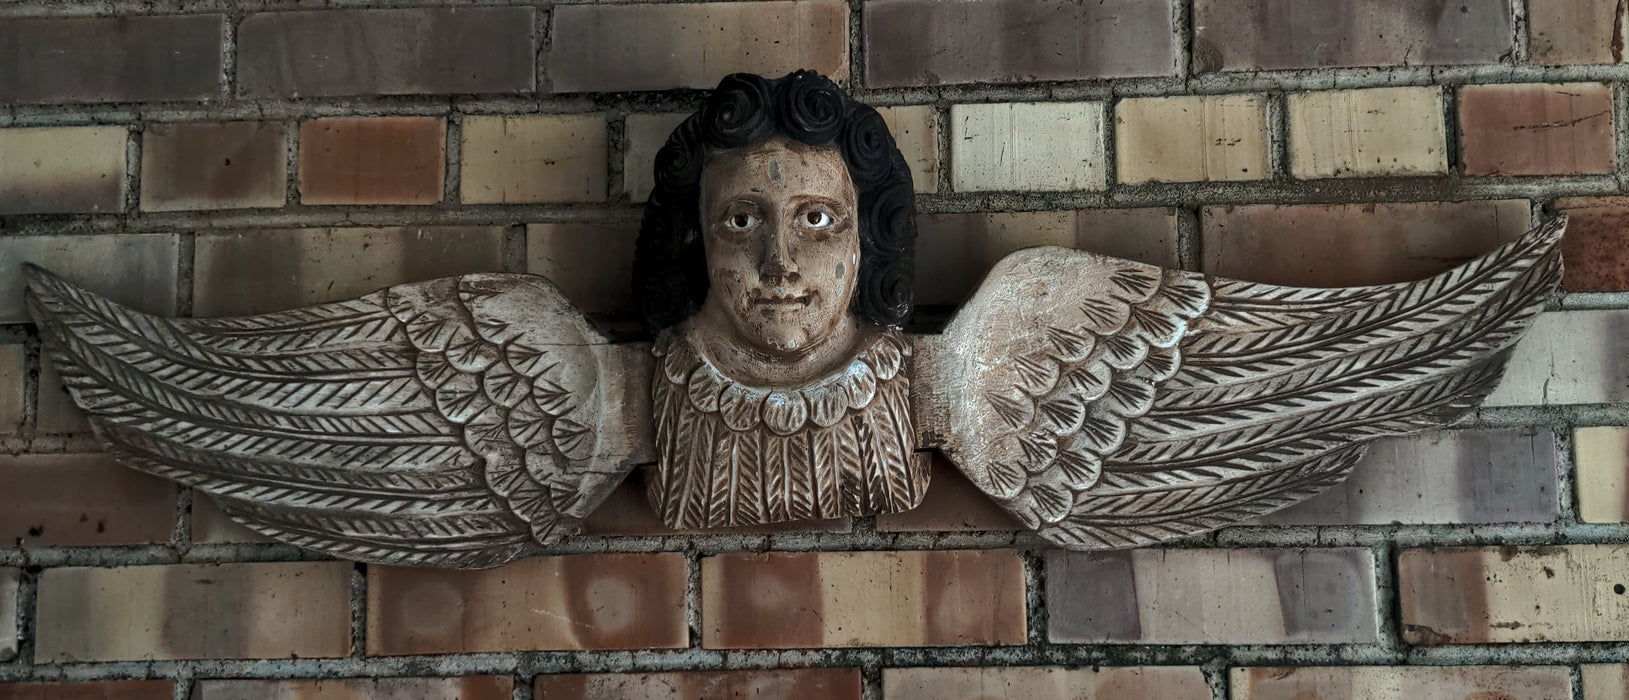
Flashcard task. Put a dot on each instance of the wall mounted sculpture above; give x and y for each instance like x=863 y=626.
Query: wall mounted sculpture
x=469 y=421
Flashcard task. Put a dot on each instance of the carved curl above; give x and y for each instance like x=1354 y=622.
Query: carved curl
x=670 y=269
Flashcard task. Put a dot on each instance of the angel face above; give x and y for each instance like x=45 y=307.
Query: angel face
x=782 y=243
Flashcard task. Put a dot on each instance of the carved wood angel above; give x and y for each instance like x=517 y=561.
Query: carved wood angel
x=469 y=421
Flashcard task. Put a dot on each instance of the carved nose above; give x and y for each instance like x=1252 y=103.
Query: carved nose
x=777 y=259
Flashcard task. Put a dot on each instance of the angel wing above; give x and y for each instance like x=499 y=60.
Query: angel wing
x=1111 y=404
x=462 y=422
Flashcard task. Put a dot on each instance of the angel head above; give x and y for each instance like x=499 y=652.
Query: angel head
x=782 y=216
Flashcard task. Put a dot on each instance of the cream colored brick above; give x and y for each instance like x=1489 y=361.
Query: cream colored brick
x=13 y=372
x=136 y=270
x=1357 y=133
x=591 y=263
x=62 y=169
x=1568 y=357
x=1403 y=683
x=1027 y=146
x=1602 y=456
x=8 y=614
x=644 y=135
x=547 y=158
x=1606 y=681
x=916 y=132
x=1499 y=595
x=1191 y=139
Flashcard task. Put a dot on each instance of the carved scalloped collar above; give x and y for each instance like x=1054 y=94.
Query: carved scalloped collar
x=823 y=401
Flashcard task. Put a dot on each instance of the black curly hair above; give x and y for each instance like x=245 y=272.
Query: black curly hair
x=670 y=266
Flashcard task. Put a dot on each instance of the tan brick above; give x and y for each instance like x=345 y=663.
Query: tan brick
x=62 y=169
x=854 y=599
x=1444 y=682
x=194 y=611
x=54 y=410
x=1568 y=357
x=1191 y=138
x=1605 y=681
x=767 y=684
x=627 y=512
x=94 y=690
x=1357 y=133
x=544 y=158
x=225 y=165
x=373 y=160
x=13 y=375
x=8 y=615
x=244 y=272
x=136 y=270
x=1596 y=247
x=642 y=136
x=1455 y=595
x=952 y=504
x=916 y=132
x=1575 y=31
x=1561 y=129
x=996 y=146
x=1602 y=456
x=591 y=263
x=77 y=500
x=601 y=601
x=1045 y=683
x=210 y=524
x=465 y=688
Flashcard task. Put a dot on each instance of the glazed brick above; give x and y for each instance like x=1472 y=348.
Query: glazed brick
x=1568 y=357
x=194 y=611
x=767 y=684
x=1457 y=476
x=1563 y=129
x=1045 y=683
x=591 y=263
x=92 y=690
x=1575 y=31
x=955 y=251
x=54 y=410
x=1468 y=595
x=1605 y=681
x=1602 y=458
x=1374 y=132
x=136 y=270
x=1172 y=596
x=372 y=160
x=627 y=512
x=1277 y=34
x=62 y=169
x=1337 y=245
x=548 y=158
x=13 y=398
x=80 y=500
x=924 y=42
x=601 y=601
x=855 y=599
x=1445 y=682
x=223 y=165
x=993 y=146
x=386 y=52
x=247 y=272
x=952 y=504
x=110 y=59
x=466 y=688
x=8 y=616
x=642 y=136
x=1596 y=247
x=916 y=133
x=1191 y=138
x=609 y=48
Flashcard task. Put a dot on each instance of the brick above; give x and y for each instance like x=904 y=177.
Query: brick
x=1558 y=129
x=547 y=158
x=1340 y=245
x=110 y=59
x=373 y=160
x=1172 y=596
x=1444 y=682
x=952 y=504
x=93 y=690
x=62 y=169
x=386 y=52
x=767 y=684
x=643 y=135
x=1455 y=595
x=1191 y=139
x=212 y=525
x=1596 y=247
x=600 y=601
x=77 y=500
x=465 y=688
x=246 y=272
x=591 y=263
x=1562 y=32
x=136 y=270
x=1602 y=457
x=13 y=397
x=955 y=251
x=1455 y=476
x=611 y=48
x=627 y=512
x=1045 y=683
x=994 y=146
x=916 y=133
x=856 y=599
x=8 y=616
x=194 y=611
x=924 y=42
x=222 y=165
x=54 y=410
x=1277 y=34
x=1605 y=681
x=1568 y=357
x=1374 y=132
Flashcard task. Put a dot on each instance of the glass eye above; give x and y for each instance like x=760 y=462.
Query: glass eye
x=817 y=219
x=741 y=221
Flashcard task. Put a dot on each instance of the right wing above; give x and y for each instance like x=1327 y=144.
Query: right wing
x=462 y=422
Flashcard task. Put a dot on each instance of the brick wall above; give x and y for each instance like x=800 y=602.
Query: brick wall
x=216 y=158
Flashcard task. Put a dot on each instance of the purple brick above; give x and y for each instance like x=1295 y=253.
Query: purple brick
x=109 y=59
x=1279 y=34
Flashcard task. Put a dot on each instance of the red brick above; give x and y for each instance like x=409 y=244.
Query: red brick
x=94 y=690
x=1564 y=32
x=1481 y=595
x=223 y=165
x=82 y=500
x=373 y=160
x=1046 y=683
x=768 y=684
x=1596 y=247
x=602 y=601
x=1444 y=682
x=465 y=688
x=1536 y=129
x=110 y=59
x=1278 y=34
